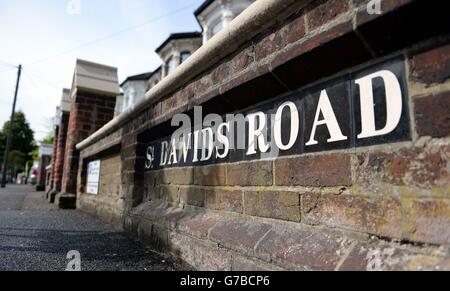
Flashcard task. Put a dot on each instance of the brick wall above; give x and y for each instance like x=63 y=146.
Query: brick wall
x=376 y=207
x=110 y=196
x=43 y=163
x=58 y=168
x=89 y=112
x=54 y=154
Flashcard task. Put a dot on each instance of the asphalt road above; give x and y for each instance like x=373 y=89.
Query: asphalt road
x=34 y=236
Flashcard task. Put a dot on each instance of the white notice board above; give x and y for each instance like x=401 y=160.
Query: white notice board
x=93 y=177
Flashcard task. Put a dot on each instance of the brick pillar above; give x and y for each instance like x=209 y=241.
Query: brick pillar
x=43 y=164
x=89 y=112
x=61 y=149
x=55 y=152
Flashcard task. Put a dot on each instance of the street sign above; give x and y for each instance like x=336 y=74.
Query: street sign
x=93 y=177
x=363 y=108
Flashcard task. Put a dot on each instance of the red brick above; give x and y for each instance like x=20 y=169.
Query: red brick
x=239 y=235
x=202 y=85
x=151 y=193
x=222 y=72
x=420 y=167
x=314 y=170
x=432 y=66
x=250 y=174
x=192 y=196
x=312 y=43
x=429 y=221
x=197 y=224
x=277 y=205
x=245 y=58
x=384 y=257
x=224 y=200
x=61 y=152
x=170 y=194
x=432 y=115
x=374 y=215
x=180 y=176
x=324 y=11
x=203 y=256
x=295 y=30
x=161 y=213
x=277 y=40
x=155 y=110
x=268 y=45
x=210 y=175
x=301 y=250
x=357 y=259
x=185 y=94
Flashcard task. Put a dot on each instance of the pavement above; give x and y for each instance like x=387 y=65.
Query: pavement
x=35 y=236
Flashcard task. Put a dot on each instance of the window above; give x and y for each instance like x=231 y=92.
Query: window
x=119 y=105
x=129 y=98
x=170 y=65
x=125 y=102
x=184 y=56
x=216 y=28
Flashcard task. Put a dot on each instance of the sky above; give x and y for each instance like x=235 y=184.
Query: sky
x=47 y=36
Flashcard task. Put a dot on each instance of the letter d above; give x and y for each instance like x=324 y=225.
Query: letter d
x=394 y=104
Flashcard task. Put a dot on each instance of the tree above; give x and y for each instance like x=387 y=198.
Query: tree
x=22 y=142
x=48 y=139
x=16 y=161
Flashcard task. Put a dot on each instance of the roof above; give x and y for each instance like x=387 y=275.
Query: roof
x=141 y=77
x=95 y=77
x=175 y=36
x=203 y=7
x=66 y=102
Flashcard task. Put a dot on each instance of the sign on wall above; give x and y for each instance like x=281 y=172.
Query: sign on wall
x=93 y=177
x=363 y=108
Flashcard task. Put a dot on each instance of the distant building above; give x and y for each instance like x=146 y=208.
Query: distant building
x=177 y=49
x=85 y=108
x=45 y=157
x=214 y=15
x=134 y=89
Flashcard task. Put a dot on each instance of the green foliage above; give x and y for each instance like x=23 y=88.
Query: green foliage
x=48 y=139
x=22 y=143
x=17 y=161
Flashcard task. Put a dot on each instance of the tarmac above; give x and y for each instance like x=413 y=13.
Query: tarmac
x=36 y=236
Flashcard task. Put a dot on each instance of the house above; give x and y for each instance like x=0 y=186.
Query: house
x=214 y=15
x=134 y=89
x=178 y=48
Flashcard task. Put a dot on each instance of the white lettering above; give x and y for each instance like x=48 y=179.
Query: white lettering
x=329 y=120
x=295 y=126
x=256 y=133
x=173 y=153
x=394 y=104
x=164 y=148
x=185 y=146
x=196 y=134
x=208 y=144
x=223 y=139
